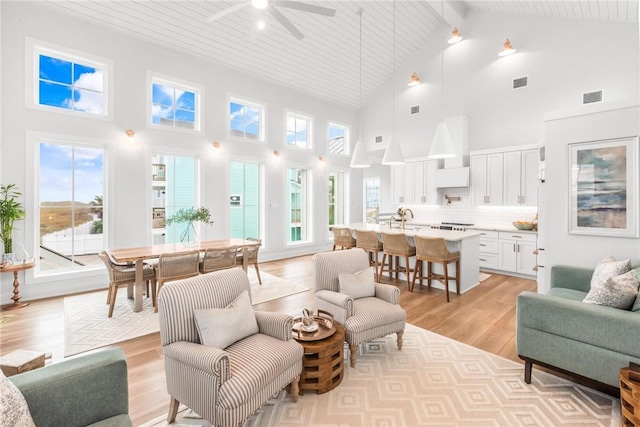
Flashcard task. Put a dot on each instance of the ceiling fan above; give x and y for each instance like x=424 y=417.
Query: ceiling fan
x=273 y=6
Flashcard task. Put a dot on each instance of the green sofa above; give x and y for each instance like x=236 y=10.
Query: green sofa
x=88 y=390
x=559 y=331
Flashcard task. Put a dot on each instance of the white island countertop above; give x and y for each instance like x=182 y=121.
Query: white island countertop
x=413 y=229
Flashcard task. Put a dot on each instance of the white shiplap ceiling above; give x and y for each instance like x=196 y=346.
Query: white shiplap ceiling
x=325 y=63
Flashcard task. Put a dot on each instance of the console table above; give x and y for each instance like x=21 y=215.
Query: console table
x=629 y=399
x=15 y=269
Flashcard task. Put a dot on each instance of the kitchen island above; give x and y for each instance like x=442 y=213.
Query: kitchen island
x=465 y=242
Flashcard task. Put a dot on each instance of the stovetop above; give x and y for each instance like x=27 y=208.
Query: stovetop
x=462 y=224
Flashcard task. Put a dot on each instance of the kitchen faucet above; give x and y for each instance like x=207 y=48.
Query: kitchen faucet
x=404 y=213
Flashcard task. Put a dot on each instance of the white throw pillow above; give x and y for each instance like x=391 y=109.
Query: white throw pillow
x=608 y=268
x=618 y=292
x=357 y=285
x=221 y=327
x=14 y=411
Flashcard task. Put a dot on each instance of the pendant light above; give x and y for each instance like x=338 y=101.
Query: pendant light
x=442 y=146
x=360 y=158
x=393 y=153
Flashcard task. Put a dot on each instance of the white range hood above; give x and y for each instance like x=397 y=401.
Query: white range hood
x=455 y=172
x=452 y=177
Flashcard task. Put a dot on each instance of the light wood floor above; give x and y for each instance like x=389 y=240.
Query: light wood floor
x=484 y=317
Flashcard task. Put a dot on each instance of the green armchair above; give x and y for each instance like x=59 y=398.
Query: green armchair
x=88 y=390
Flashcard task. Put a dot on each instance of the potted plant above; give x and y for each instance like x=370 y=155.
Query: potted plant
x=10 y=211
x=190 y=215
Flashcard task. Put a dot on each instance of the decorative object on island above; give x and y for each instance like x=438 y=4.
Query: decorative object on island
x=523 y=225
x=189 y=236
x=603 y=198
x=10 y=211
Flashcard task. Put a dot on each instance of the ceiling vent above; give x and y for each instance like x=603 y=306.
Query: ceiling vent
x=415 y=110
x=520 y=82
x=378 y=139
x=591 y=97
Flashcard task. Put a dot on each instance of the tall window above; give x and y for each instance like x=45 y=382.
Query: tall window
x=71 y=205
x=338 y=198
x=299 y=200
x=371 y=199
x=175 y=105
x=67 y=82
x=246 y=119
x=338 y=139
x=245 y=201
x=299 y=130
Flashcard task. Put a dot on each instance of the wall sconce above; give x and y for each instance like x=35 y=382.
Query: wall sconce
x=322 y=161
x=415 y=80
x=455 y=36
x=508 y=49
x=131 y=138
x=217 y=148
x=276 y=155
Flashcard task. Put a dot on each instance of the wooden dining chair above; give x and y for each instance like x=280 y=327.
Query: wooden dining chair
x=252 y=256
x=215 y=259
x=175 y=266
x=434 y=249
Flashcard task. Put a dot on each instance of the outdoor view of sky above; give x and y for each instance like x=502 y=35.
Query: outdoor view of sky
x=244 y=120
x=173 y=105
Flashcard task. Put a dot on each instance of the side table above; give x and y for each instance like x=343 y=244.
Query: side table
x=629 y=399
x=15 y=269
x=323 y=362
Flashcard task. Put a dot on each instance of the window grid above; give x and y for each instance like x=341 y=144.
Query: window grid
x=174 y=105
x=372 y=199
x=338 y=142
x=246 y=119
x=299 y=130
x=299 y=200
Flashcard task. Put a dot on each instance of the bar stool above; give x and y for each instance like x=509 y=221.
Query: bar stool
x=368 y=240
x=397 y=245
x=434 y=249
x=342 y=237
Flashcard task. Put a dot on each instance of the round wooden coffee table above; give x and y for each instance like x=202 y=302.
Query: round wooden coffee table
x=629 y=399
x=323 y=362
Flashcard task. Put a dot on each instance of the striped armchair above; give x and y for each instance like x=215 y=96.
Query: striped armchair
x=224 y=386
x=366 y=318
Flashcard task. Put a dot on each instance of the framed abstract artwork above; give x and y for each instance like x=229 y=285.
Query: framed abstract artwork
x=603 y=199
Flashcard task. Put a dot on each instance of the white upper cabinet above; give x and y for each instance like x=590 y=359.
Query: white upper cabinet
x=414 y=183
x=521 y=178
x=397 y=184
x=486 y=179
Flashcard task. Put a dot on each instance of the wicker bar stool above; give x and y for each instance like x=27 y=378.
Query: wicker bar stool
x=397 y=245
x=368 y=240
x=342 y=237
x=176 y=266
x=434 y=249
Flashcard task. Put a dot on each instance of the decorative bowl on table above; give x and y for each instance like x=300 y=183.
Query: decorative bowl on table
x=523 y=225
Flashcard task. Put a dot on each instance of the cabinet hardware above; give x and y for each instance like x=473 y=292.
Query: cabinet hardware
x=482 y=244
x=514 y=247
x=517 y=248
x=535 y=268
x=517 y=237
x=423 y=199
x=482 y=259
x=535 y=252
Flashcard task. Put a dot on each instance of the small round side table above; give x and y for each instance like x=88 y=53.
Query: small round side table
x=629 y=399
x=16 y=268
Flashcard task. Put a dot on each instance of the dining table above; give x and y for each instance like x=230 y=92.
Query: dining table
x=140 y=254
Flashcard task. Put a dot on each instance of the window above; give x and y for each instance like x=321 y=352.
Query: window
x=71 y=210
x=299 y=200
x=246 y=119
x=68 y=81
x=175 y=105
x=338 y=139
x=245 y=200
x=299 y=130
x=372 y=199
x=337 y=198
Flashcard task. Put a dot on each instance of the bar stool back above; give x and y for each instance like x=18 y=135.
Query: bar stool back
x=368 y=240
x=434 y=249
x=342 y=237
x=397 y=245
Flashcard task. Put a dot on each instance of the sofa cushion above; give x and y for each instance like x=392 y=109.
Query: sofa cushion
x=608 y=268
x=14 y=410
x=357 y=285
x=221 y=327
x=617 y=292
x=565 y=293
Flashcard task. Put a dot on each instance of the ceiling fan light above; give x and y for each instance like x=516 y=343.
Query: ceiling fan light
x=261 y=25
x=260 y=4
x=442 y=145
x=415 y=80
x=360 y=158
x=455 y=36
x=393 y=154
x=508 y=49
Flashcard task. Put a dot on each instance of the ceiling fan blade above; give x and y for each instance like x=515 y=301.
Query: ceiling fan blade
x=306 y=7
x=286 y=23
x=227 y=11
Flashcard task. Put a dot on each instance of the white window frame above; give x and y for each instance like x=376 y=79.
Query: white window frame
x=347 y=137
x=262 y=106
x=365 y=181
x=176 y=83
x=309 y=207
x=33 y=49
x=310 y=126
x=345 y=208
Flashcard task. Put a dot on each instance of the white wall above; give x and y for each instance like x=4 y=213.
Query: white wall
x=129 y=188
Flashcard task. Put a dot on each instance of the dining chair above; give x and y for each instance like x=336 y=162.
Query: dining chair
x=434 y=249
x=218 y=259
x=342 y=237
x=369 y=242
x=396 y=245
x=252 y=255
x=123 y=275
x=175 y=266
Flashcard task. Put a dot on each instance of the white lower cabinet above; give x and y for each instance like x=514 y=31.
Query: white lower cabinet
x=489 y=249
x=517 y=252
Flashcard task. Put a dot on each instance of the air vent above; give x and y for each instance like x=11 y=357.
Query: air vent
x=590 y=97
x=378 y=139
x=415 y=110
x=520 y=82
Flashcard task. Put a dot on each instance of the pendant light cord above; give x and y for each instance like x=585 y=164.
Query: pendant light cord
x=442 y=72
x=360 y=74
x=393 y=71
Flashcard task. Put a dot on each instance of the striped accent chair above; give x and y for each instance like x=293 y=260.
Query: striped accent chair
x=366 y=318
x=224 y=386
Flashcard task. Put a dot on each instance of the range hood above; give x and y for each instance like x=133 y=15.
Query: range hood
x=452 y=177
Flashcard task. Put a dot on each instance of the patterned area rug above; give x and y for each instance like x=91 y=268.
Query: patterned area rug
x=87 y=325
x=434 y=381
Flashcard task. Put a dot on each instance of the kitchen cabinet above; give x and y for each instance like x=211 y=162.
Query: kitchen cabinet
x=397 y=184
x=486 y=179
x=517 y=252
x=489 y=249
x=521 y=178
x=414 y=183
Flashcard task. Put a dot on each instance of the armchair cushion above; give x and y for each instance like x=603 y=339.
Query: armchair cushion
x=372 y=312
x=13 y=407
x=617 y=292
x=357 y=285
x=221 y=327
